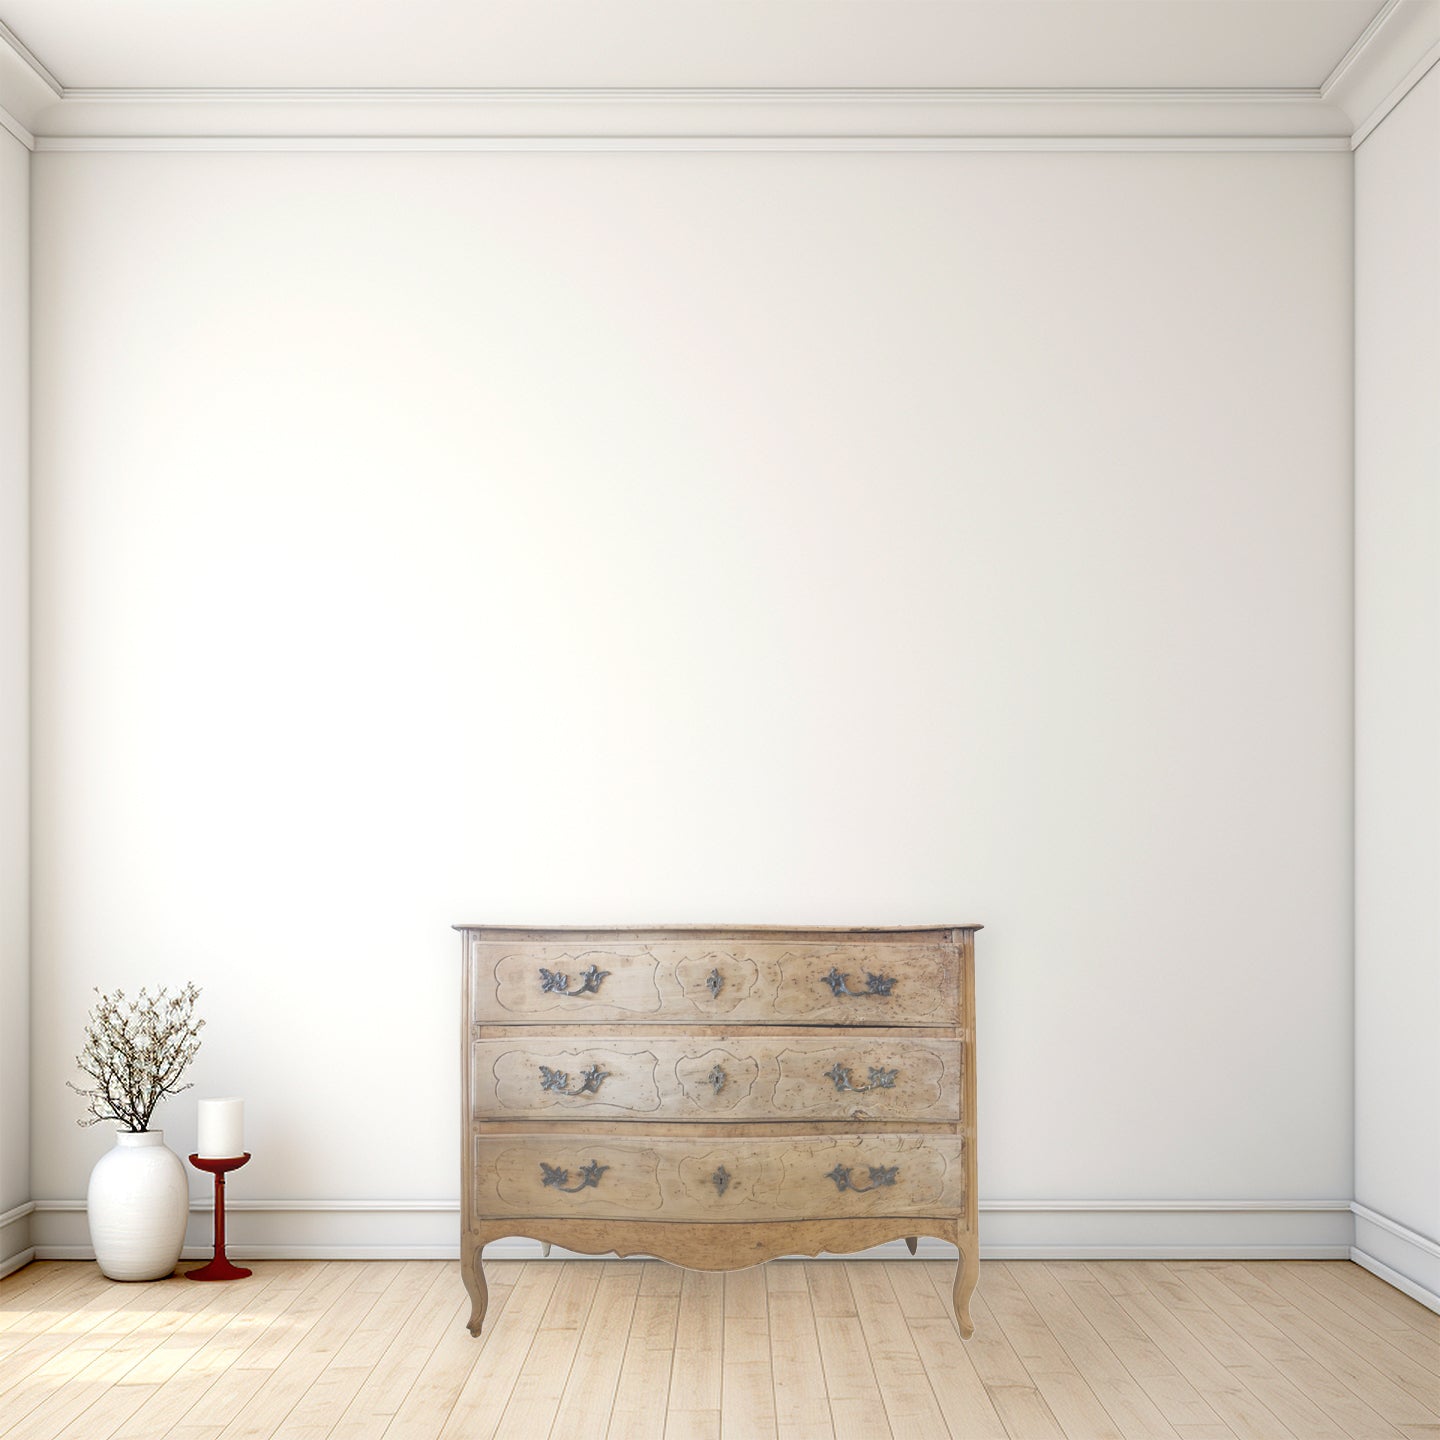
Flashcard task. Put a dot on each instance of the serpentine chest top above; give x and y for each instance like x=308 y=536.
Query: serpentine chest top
x=717 y=1096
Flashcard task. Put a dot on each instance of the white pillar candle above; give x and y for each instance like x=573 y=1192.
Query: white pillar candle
x=221 y=1134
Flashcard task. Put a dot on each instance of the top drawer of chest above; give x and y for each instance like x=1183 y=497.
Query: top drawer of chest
x=694 y=982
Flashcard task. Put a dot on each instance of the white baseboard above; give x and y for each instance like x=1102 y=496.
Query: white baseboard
x=1427 y=1298
x=16 y=1247
x=1010 y=1229
x=1400 y=1256
x=517 y=1248
x=18 y=1262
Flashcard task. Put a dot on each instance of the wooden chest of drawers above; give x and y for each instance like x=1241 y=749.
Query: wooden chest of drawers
x=717 y=1096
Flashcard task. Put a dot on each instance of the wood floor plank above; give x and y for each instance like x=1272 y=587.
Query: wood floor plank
x=131 y=1332
x=657 y=1278
x=476 y=1412
x=1071 y=1400
x=540 y=1384
x=696 y=1382
x=27 y=1276
x=802 y=1408
x=134 y=1369
x=360 y=1389
x=589 y=1394
x=29 y=1311
x=964 y=1402
x=1223 y=1392
x=1324 y=1277
x=829 y=1287
x=71 y=1378
x=910 y=1403
x=1212 y=1326
x=857 y=1408
x=192 y=1363
x=802 y=1350
x=747 y=1397
x=1008 y=1383
x=426 y=1408
x=169 y=1304
x=1174 y=1396
x=82 y=1326
x=692 y=1425
x=278 y=1389
x=257 y=1355
x=1134 y=1413
x=1374 y=1370
x=110 y=1410
x=786 y=1277
x=1346 y=1414
x=642 y=1390
x=1367 y=1283
x=53 y=1331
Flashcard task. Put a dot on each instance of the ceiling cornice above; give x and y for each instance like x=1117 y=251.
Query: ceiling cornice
x=26 y=86
x=1149 y=117
x=1395 y=49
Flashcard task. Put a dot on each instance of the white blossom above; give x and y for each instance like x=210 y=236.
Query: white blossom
x=135 y=1053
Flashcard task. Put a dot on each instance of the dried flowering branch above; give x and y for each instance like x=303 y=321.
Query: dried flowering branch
x=135 y=1052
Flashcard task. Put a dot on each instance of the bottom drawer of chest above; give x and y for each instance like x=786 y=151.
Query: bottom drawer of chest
x=790 y=1177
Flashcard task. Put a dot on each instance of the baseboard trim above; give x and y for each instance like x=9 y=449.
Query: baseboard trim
x=18 y=1262
x=16 y=1248
x=1428 y=1298
x=1399 y=1255
x=1423 y=1243
x=1163 y=1229
x=519 y=1248
x=928 y=1249
x=1024 y=1207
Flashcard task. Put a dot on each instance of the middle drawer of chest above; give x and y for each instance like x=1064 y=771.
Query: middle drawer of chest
x=854 y=1076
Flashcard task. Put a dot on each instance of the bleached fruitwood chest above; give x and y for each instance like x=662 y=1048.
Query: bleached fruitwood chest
x=718 y=1096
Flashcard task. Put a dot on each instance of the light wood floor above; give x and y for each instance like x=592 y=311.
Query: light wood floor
x=798 y=1350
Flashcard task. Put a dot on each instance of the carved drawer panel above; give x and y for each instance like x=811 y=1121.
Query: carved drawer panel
x=731 y=1179
x=747 y=1077
x=742 y=981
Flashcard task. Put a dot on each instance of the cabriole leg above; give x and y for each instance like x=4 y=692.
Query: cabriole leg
x=967 y=1273
x=473 y=1273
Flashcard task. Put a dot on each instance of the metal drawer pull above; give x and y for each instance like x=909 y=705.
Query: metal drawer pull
x=717 y=1079
x=558 y=982
x=879 y=1175
x=589 y=1175
x=714 y=983
x=874 y=984
x=559 y=1080
x=879 y=1079
x=721 y=1180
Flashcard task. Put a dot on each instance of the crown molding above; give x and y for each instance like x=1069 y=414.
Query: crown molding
x=1370 y=78
x=735 y=95
x=13 y=127
x=26 y=87
x=717 y=144
x=1395 y=50
x=744 y=118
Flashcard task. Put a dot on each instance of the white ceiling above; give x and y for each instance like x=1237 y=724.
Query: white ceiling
x=984 y=44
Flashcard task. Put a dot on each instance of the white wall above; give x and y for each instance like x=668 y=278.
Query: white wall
x=1397 y=700
x=14 y=696
x=770 y=537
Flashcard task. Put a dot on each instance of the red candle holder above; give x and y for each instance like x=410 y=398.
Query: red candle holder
x=220 y=1267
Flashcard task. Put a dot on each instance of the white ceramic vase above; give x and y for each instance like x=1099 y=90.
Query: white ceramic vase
x=138 y=1203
